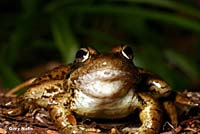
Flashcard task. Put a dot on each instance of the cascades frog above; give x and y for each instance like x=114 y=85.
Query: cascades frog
x=100 y=85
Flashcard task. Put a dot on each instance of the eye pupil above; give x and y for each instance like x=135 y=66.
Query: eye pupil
x=82 y=55
x=127 y=52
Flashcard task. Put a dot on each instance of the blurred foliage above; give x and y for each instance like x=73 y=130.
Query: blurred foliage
x=164 y=34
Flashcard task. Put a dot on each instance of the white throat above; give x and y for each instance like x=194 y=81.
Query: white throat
x=104 y=108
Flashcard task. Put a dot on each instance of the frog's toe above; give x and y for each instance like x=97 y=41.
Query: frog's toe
x=140 y=130
x=92 y=131
x=80 y=130
x=128 y=130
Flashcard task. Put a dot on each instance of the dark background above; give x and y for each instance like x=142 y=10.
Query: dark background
x=36 y=35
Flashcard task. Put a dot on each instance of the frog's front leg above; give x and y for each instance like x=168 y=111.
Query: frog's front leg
x=150 y=116
x=36 y=96
x=59 y=112
x=63 y=118
x=154 y=84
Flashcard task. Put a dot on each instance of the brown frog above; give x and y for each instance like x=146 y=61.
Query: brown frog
x=96 y=85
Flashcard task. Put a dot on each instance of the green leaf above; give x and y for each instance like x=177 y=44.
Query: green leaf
x=186 y=64
x=22 y=31
x=64 y=37
x=134 y=11
x=8 y=77
x=30 y=6
x=170 y=4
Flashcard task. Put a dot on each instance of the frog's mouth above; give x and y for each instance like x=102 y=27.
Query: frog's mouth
x=105 y=83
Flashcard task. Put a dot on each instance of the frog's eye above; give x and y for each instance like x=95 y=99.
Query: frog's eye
x=127 y=52
x=82 y=55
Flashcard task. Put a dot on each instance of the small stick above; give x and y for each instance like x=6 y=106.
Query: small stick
x=18 y=87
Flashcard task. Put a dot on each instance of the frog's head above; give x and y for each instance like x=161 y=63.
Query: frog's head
x=104 y=75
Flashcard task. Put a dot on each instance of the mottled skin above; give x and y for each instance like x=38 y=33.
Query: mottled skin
x=100 y=85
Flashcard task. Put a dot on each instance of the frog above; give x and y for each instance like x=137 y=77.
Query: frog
x=99 y=85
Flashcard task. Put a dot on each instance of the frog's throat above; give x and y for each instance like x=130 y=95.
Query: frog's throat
x=107 y=83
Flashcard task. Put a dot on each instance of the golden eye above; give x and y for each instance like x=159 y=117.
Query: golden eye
x=82 y=55
x=127 y=52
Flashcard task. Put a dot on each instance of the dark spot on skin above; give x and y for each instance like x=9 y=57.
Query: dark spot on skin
x=72 y=93
x=51 y=90
x=155 y=119
x=53 y=99
x=67 y=76
x=37 y=81
x=58 y=85
x=44 y=96
x=65 y=86
x=57 y=76
x=72 y=101
x=50 y=76
x=66 y=105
